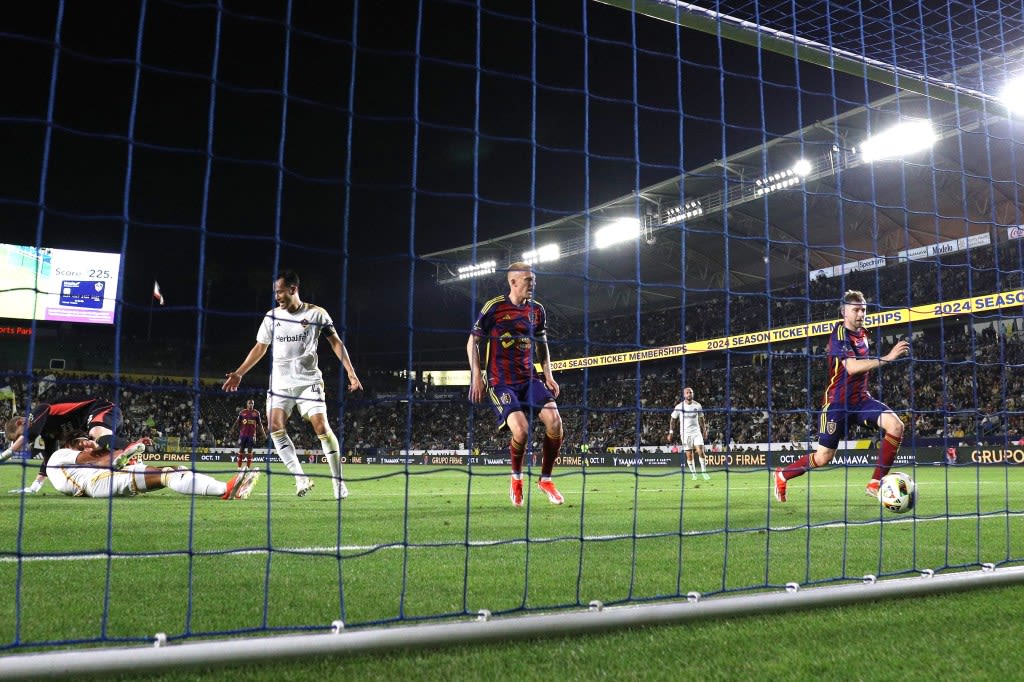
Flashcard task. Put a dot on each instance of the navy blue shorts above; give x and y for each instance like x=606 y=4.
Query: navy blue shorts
x=104 y=414
x=516 y=398
x=839 y=417
x=245 y=442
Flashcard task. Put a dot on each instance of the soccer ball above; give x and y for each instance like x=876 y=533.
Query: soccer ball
x=897 y=492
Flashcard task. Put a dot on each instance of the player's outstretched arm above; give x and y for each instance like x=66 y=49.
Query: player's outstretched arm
x=233 y=379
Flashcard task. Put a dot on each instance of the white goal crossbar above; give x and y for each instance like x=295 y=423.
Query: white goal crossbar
x=486 y=629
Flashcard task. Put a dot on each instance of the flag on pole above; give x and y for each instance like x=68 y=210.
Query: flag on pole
x=156 y=292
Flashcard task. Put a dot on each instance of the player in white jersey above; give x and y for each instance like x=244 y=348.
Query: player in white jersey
x=693 y=430
x=83 y=469
x=294 y=330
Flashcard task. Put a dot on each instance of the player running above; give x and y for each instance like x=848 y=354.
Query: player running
x=847 y=400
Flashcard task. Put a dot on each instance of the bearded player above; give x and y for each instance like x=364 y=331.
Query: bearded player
x=847 y=400
x=294 y=329
x=693 y=431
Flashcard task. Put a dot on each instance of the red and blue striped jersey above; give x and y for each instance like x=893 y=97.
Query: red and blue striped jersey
x=844 y=389
x=510 y=331
x=248 y=420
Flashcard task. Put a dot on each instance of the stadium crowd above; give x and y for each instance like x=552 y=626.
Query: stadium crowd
x=962 y=383
x=964 y=394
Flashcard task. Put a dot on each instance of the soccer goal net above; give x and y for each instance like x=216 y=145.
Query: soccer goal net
x=758 y=256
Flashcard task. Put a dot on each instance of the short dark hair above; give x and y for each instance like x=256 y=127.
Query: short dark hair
x=290 y=277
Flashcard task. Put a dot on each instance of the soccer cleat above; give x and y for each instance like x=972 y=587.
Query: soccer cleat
x=232 y=482
x=871 y=490
x=515 y=492
x=694 y=476
x=780 y=486
x=303 y=485
x=130 y=455
x=706 y=477
x=548 y=486
x=247 y=480
x=340 y=489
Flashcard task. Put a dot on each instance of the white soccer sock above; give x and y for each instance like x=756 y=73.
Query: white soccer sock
x=329 y=443
x=138 y=472
x=189 y=483
x=693 y=469
x=703 y=465
x=286 y=451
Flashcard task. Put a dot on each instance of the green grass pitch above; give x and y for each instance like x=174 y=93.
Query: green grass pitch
x=431 y=543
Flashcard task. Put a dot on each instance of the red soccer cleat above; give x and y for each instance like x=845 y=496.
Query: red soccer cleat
x=554 y=497
x=515 y=492
x=871 y=490
x=780 y=485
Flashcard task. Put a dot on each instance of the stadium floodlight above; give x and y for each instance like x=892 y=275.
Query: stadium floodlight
x=1012 y=96
x=621 y=230
x=542 y=254
x=476 y=269
x=901 y=140
x=802 y=168
x=685 y=211
x=777 y=181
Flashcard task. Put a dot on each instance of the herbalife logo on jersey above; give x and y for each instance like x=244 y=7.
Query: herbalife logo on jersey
x=286 y=338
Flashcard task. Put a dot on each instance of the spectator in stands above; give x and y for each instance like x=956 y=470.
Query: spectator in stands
x=512 y=328
x=847 y=400
x=51 y=421
x=294 y=329
x=84 y=469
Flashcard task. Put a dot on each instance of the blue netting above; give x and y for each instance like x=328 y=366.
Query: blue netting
x=377 y=148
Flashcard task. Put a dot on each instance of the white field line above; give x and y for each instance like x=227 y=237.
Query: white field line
x=475 y=543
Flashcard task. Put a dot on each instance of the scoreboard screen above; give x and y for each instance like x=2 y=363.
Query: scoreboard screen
x=58 y=285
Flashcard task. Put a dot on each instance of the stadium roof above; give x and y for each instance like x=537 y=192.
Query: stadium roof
x=750 y=223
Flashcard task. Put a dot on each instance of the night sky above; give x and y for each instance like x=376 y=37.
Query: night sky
x=458 y=125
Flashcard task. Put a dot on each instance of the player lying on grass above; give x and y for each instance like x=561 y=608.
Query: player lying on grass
x=52 y=420
x=83 y=469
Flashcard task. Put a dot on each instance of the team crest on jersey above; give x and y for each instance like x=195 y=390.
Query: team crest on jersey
x=304 y=323
x=830 y=427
